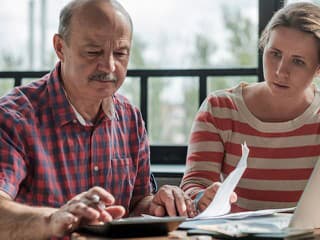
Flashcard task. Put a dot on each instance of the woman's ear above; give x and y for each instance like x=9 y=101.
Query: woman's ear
x=58 y=44
x=318 y=71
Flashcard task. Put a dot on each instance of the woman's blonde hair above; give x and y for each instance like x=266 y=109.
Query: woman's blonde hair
x=302 y=16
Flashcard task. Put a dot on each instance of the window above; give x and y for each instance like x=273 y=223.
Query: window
x=182 y=34
x=172 y=39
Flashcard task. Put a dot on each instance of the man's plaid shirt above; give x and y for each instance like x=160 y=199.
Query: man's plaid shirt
x=47 y=156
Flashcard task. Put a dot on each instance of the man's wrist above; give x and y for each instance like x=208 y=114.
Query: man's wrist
x=45 y=222
x=142 y=206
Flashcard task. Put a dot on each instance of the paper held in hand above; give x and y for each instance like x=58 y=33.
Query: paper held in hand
x=220 y=205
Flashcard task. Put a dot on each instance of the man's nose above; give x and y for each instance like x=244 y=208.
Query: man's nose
x=106 y=63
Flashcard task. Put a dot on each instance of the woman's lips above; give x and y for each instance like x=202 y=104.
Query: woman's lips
x=280 y=85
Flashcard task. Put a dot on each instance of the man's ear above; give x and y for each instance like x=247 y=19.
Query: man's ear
x=58 y=44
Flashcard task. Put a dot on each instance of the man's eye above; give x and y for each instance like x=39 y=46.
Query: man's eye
x=120 y=54
x=93 y=53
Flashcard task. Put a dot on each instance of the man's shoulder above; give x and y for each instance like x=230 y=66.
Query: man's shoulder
x=125 y=109
x=123 y=102
x=22 y=99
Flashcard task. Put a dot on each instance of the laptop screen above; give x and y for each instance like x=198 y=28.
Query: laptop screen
x=307 y=212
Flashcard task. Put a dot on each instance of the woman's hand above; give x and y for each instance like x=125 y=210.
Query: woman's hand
x=209 y=194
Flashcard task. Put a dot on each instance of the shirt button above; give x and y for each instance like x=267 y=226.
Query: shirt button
x=96 y=168
x=74 y=121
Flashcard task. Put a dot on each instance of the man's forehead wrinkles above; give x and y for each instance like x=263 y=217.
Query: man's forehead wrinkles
x=123 y=43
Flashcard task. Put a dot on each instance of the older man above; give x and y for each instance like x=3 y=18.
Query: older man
x=71 y=149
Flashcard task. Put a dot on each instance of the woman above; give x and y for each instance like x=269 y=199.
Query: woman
x=278 y=119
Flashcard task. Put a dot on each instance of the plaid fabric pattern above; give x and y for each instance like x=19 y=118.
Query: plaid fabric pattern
x=47 y=156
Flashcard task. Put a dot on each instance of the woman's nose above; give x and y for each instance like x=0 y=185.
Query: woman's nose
x=283 y=68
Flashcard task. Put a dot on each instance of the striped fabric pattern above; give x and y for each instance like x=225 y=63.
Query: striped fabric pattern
x=281 y=159
x=47 y=156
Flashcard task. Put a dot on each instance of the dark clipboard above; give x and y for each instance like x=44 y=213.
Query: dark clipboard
x=135 y=227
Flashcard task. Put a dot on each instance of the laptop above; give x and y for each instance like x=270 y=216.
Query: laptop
x=307 y=212
x=298 y=225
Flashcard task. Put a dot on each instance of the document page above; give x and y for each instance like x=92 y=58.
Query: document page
x=269 y=227
x=220 y=204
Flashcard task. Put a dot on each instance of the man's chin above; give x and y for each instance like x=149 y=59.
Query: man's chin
x=103 y=93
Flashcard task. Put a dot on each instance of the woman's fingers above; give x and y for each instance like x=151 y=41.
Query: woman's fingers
x=209 y=195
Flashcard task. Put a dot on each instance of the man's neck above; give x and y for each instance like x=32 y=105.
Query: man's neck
x=87 y=108
x=89 y=111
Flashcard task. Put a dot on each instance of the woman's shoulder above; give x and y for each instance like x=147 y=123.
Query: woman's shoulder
x=232 y=91
x=228 y=95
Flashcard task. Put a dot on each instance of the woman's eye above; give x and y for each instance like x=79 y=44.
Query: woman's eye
x=298 y=62
x=275 y=54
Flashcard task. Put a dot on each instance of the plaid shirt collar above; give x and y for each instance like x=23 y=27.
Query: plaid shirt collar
x=63 y=111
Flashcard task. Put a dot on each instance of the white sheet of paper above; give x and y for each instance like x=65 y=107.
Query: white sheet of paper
x=220 y=204
x=257 y=213
x=240 y=228
x=250 y=214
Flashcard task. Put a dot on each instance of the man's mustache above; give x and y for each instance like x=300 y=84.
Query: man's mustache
x=103 y=77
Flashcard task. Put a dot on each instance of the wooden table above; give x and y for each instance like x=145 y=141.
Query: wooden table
x=175 y=235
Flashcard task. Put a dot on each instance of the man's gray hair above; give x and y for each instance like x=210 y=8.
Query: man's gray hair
x=67 y=12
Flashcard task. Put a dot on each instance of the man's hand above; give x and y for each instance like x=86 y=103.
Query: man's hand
x=172 y=201
x=93 y=206
x=209 y=194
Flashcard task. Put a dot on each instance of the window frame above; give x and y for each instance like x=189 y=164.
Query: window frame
x=176 y=154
